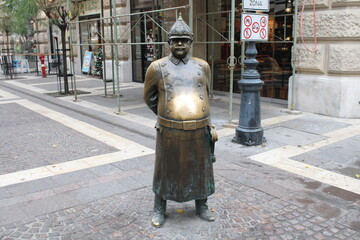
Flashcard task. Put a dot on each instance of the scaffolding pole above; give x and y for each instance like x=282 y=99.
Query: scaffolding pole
x=291 y=101
x=191 y=19
x=231 y=59
x=72 y=68
x=116 y=58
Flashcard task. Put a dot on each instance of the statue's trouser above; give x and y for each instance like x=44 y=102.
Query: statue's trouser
x=160 y=205
x=201 y=205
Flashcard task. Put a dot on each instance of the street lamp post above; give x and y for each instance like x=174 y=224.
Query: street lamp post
x=249 y=131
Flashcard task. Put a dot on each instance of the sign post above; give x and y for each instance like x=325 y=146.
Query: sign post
x=254 y=27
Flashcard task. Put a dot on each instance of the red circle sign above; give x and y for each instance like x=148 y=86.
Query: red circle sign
x=247 y=33
x=248 y=21
x=263 y=21
x=263 y=33
x=256 y=27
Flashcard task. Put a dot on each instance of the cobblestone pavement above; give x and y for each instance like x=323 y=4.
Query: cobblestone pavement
x=76 y=170
x=48 y=138
x=242 y=213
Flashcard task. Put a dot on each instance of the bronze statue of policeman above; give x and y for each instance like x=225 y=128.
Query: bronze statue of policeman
x=176 y=89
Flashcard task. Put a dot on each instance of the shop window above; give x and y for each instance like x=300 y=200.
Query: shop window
x=274 y=56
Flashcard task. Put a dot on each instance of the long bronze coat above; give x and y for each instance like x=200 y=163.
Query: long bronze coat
x=177 y=91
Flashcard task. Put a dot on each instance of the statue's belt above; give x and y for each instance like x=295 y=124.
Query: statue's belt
x=184 y=125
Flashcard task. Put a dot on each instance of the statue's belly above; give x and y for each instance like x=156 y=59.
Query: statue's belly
x=187 y=105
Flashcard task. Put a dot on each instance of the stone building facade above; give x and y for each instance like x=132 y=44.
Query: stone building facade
x=328 y=80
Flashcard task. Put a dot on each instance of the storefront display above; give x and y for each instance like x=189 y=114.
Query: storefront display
x=274 y=56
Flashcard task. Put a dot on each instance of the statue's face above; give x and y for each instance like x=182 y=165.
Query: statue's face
x=180 y=47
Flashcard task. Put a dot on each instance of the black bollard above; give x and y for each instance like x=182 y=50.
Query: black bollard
x=249 y=132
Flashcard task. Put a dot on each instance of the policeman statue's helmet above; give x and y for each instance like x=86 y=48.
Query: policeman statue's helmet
x=180 y=30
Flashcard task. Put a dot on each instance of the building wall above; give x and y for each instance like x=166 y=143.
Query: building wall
x=41 y=34
x=328 y=79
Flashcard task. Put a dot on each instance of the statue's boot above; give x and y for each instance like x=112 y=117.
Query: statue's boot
x=158 y=218
x=202 y=210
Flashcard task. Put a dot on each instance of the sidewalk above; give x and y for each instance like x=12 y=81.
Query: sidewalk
x=303 y=183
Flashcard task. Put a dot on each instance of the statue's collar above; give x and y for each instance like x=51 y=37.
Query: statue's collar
x=176 y=61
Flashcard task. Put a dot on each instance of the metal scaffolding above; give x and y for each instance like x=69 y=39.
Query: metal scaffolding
x=110 y=36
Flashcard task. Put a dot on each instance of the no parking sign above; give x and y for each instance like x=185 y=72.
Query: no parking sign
x=254 y=27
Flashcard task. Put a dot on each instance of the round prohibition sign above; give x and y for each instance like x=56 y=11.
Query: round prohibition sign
x=256 y=27
x=247 y=33
x=248 y=21
x=263 y=33
x=263 y=21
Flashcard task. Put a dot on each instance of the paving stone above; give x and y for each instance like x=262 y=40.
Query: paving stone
x=15 y=235
x=129 y=214
x=49 y=204
x=327 y=233
x=73 y=177
x=23 y=228
x=315 y=124
x=146 y=178
x=299 y=227
x=40 y=194
x=10 y=226
x=98 y=191
x=105 y=169
x=4 y=193
x=27 y=236
x=292 y=137
x=32 y=186
x=11 y=214
x=66 y=188
x=12 y=201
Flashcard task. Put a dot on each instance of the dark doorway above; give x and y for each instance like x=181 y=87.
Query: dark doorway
x=145 y=30
x=89 y=35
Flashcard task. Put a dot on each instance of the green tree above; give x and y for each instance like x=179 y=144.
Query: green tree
x=98 y=68
x=60 y=13
x=21 y=12
x=6 y=25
